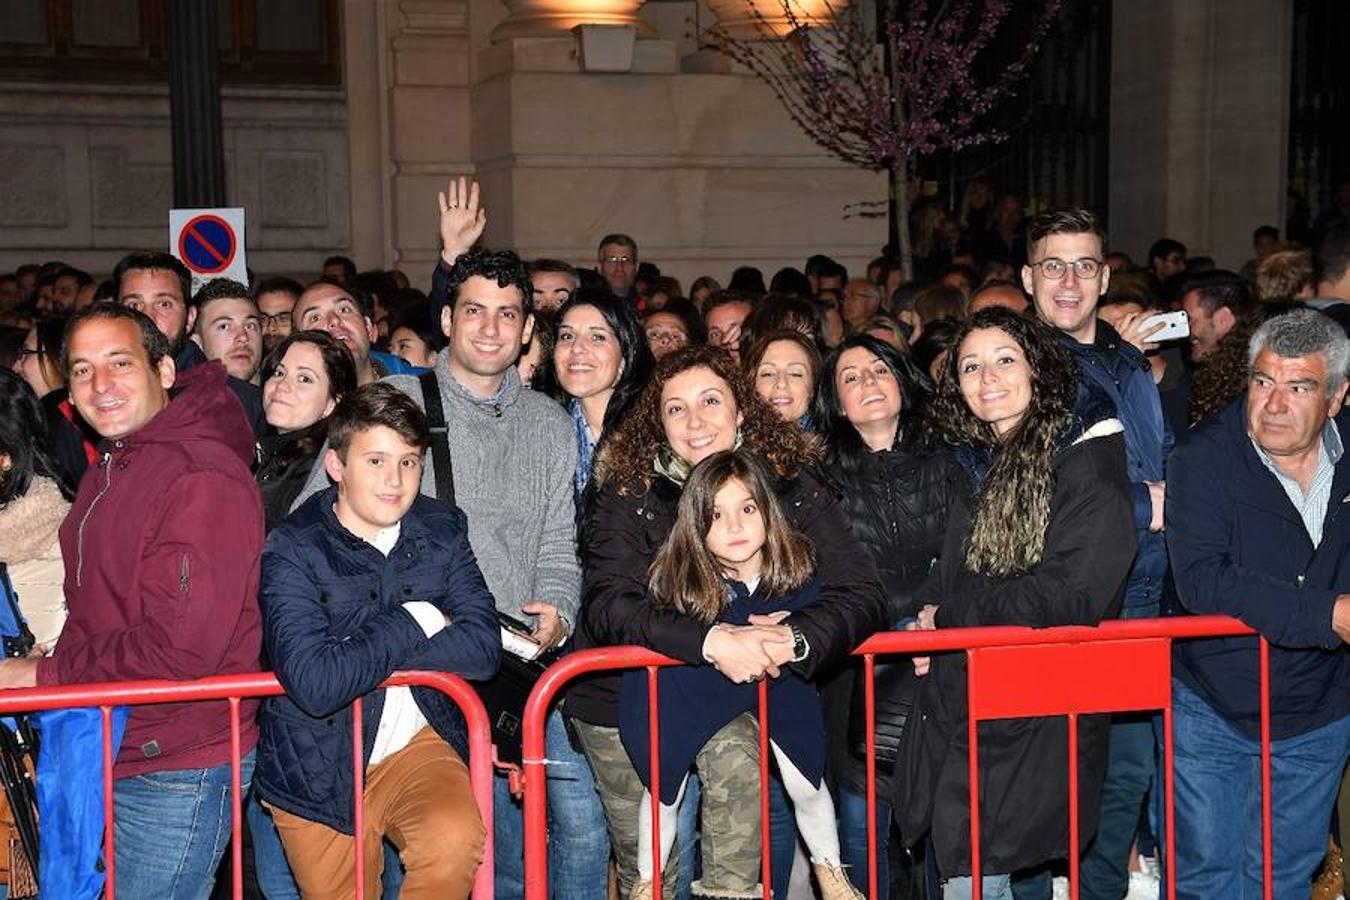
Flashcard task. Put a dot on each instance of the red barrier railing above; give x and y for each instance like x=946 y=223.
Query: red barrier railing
x=233 y=689
x=1013 y=672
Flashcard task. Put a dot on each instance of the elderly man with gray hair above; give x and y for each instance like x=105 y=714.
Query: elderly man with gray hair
x=1258 y=529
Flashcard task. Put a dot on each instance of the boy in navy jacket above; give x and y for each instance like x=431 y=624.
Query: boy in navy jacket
x=364 y=579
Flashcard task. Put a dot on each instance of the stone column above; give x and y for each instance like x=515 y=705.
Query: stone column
x=1199 y=123
x=194 y=102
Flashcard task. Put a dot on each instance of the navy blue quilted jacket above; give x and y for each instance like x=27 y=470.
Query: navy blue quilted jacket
x=335 y=628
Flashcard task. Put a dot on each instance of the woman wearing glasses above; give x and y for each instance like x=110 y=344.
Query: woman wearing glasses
x=1043 y=536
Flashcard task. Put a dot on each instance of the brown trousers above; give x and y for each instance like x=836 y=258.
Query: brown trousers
x=420 y=799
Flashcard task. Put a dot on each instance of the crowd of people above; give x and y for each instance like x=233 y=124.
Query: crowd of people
x=343 y=479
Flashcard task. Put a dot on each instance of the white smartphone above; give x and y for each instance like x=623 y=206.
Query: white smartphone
x=1176 y=326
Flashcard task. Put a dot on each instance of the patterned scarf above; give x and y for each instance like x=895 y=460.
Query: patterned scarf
x=585 y=450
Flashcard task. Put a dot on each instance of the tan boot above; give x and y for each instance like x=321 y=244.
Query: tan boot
x=834 y=884
x=641 y=891
x=1330 y=877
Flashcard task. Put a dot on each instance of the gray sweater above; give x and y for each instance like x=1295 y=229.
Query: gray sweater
x=513 y=456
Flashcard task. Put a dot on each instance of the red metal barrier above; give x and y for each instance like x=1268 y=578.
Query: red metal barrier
x=233 y=689
x=1013 y=672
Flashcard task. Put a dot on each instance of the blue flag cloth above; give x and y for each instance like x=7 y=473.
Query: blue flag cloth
x=70 y=799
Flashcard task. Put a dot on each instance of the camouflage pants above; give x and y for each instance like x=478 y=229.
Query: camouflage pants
x=728 y=767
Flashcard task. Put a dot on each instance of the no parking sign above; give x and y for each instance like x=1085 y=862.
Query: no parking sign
x=210 y=242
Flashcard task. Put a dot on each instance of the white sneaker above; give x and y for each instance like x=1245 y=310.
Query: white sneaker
x=1143 y=886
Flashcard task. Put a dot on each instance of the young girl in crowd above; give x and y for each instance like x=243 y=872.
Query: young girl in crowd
x=732 y=554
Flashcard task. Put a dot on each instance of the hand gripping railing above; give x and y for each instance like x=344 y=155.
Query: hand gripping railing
x=1013 y=672
x=234 y=688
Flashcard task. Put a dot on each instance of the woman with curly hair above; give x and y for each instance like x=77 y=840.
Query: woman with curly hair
x=696 y=404
x=1044 y=536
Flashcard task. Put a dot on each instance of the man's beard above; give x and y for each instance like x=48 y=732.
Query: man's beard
x=176 y=345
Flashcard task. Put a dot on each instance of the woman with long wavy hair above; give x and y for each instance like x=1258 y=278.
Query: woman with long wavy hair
x=696 y=404
x=1044 y=536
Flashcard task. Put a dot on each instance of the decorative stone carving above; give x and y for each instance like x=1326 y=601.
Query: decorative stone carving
x=293 y=189
x=557 y=18
x=33 y=191
x=129 y=193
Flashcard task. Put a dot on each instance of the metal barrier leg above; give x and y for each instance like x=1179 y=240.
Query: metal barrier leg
x=1073 y=806
x=870 y=706
x=359 y=799
x=1169 y=804
x=1267 y=847
x=236 y=806
x=766 y=831
x=972 y=734
x=654 y=748
x=109 y=845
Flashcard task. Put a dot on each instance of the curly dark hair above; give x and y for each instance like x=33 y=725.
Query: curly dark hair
x=1222 y=376
x=628 y=457
x=502 y=267
x=1012 y=511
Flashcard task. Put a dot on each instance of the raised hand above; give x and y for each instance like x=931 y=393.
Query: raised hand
x=462 y=219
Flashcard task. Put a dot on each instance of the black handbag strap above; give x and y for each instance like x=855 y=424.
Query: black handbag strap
x=440 y=439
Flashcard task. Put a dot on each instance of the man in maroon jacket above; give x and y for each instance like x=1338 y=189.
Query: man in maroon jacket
x=162 y=551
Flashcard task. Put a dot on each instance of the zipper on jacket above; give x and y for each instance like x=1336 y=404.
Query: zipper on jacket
x=184 y=576
x=106 y=464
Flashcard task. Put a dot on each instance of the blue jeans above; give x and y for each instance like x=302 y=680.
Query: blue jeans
x=269 y=859
x=578 y=844
x=782 y=836
x=992 y=887
x=1218 y=803
x=853 y=841
x=171 y=829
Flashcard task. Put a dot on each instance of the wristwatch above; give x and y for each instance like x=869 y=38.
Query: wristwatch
x=799 y=645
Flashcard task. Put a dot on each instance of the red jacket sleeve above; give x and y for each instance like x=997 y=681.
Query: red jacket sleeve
x=198 y=586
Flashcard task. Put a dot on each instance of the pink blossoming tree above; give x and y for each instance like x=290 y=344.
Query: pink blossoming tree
x=882 y=102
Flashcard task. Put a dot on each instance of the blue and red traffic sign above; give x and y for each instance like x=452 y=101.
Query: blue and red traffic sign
x=207 y=244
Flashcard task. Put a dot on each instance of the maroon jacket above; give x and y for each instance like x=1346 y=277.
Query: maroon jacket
x=161 y=548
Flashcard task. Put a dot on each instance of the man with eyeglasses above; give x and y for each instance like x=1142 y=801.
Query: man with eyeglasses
x=276 y=298
x=1066 y=275
x=619 y=265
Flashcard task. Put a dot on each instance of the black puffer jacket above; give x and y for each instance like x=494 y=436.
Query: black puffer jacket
x=897 y=505
x=623 y=534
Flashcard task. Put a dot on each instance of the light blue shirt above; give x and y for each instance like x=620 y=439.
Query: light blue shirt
x=1311 y=506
